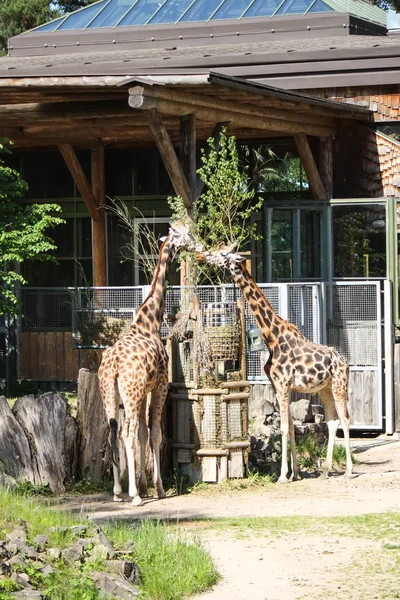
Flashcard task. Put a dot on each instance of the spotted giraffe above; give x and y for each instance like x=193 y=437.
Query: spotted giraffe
x=137 y=364
x=294 y=364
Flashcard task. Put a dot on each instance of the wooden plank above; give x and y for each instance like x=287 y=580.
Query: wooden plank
x=310 y=167
x=235 y=464
x=99 y=224
x=209 y=468
x=169 y=157
x=74 y=166
x=70 y=372
x=61 y=365
x=188 y=152
x=51 y=356
x=41 y=353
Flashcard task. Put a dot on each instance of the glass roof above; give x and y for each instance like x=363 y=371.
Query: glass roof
x=122 y=13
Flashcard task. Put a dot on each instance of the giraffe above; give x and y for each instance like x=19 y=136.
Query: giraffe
x=137 y=364
x=294 y=364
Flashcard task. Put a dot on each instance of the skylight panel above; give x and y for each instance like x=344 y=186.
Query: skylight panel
x=79 y=19
x=141 y=12
x=49 y=26
x=112 y=13
x=201 y=10
x=293 y=7
x=171 y=11
x=231 y=9
x=319 y=6
x=262 y=8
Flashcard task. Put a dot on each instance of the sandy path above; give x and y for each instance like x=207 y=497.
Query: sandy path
x=290 y=567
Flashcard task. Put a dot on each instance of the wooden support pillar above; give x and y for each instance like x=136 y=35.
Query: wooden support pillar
x=188 y=162
x=99 y=225
x=307 y=158
x=326 y=164
x=94 y=197
x=169 y=157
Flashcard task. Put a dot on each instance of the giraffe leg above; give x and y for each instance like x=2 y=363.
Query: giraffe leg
x=110 y=401
x=143 y=439
x=129 y=435
x=341 y=402
x=158 y=397
x=293 y=455
x=283 y=399
x=332 y=421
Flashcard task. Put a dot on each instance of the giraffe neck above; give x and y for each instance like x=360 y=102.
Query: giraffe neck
x=150 y=314
x=267 y=320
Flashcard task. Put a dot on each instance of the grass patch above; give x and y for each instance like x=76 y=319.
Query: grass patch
x=172 y=564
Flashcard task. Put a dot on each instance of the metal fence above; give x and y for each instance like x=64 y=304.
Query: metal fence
x=95 y=315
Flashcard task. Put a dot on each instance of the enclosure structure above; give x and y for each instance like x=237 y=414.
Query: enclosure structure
x=103 y=103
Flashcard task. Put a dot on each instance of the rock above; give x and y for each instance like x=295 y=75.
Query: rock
x=73 y=553
x=125 y=568
x=5 y=569
x=301 y=410
x=102 y=540
x=16 y=535
x=78 y=530
x=60 y=530
x=99 y=552
x=115 y=587
x=27 y=551
x=28 y=594
x=21 y=579
x=7 y=482
x=54 y=553
x=41 y=541
x=16 y=560
x=48 y=570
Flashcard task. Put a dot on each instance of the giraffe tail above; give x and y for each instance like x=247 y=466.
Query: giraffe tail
x=113 y=440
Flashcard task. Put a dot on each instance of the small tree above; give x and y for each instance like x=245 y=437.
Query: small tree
x=23 y=232
x=222 y=212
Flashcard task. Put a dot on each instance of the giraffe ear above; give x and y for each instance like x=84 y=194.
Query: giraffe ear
x=162 y=239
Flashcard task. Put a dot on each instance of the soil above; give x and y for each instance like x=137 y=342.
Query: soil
x=291 y=566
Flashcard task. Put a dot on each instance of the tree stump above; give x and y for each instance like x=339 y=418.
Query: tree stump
x=38 y=440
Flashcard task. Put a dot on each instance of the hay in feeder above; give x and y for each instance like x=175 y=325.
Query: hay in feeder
x=223 y=341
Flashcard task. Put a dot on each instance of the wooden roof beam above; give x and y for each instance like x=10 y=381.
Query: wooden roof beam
x=307 y=158
x=141 y=99
x=79 y=176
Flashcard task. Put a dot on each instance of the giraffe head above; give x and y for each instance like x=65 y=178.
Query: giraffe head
x=181 y=237
x=223 y=256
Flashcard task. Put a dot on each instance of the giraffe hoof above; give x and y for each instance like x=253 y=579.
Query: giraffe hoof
x=117 y=498
x=137 y=501
x=282 y=480
x=161 y=495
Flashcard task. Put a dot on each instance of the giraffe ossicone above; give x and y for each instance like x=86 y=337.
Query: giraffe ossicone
x=136 y=365
x=294 y=364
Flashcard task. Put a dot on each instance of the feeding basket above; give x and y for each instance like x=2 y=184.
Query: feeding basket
x=221 y=330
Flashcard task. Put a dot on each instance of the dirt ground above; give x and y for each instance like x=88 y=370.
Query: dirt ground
x=292 y=566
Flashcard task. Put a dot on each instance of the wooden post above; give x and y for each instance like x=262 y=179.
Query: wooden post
x=307 y=158
x=326 y=164
x=188 y=162
x=169 y=157
x=74 y=166
x=99 y=225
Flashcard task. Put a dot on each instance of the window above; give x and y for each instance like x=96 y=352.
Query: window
x=359 y=240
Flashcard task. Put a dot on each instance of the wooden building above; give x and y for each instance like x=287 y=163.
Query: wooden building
x=116 y=99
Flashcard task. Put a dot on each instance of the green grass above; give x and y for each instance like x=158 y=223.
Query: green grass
x=172 y=564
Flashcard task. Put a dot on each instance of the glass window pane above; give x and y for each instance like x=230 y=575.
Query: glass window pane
x=119 y=173
x=171 y=11
x=293 y=7
x=201 y=10
x=112 y=13
x=320 y=6
x=281 y=245
x=359 y=240
x=231 y=9
x=47 y=176
x=63 y=236
x=262 y=8
x=80 y=19
x=310 y=243
x=49 y=26
x=84 y=237
x=140 y=13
